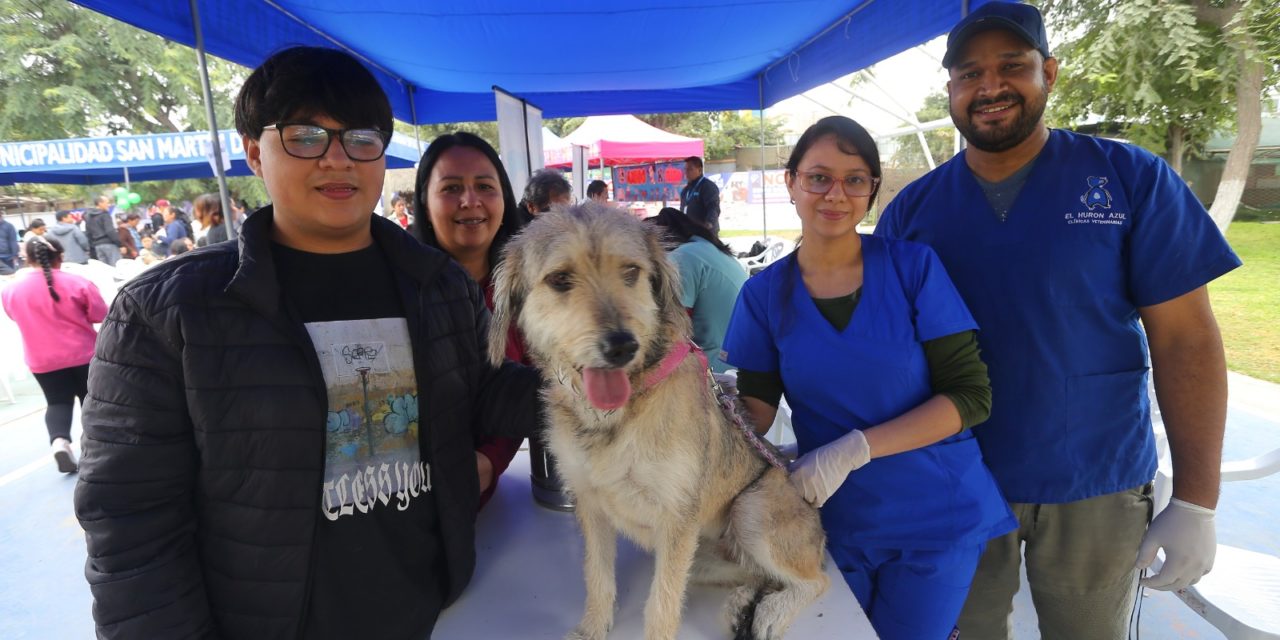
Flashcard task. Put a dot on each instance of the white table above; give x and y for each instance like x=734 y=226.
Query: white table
x=528 y=582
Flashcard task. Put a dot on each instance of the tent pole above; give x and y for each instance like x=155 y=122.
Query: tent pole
x=413 y=113
x=126 y=179
x=216 y=139
x=764 y=213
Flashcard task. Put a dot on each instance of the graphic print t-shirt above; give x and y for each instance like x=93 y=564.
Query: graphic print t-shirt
x=376 y=569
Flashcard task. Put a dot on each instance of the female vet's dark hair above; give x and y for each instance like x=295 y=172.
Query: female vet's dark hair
x=300 y=82
x=45 y=252
x=851 y=138
x=422 y=219
x=681 y=229
x=544 y=186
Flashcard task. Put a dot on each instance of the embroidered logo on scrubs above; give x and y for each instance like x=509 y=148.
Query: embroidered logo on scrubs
x=1097 y=195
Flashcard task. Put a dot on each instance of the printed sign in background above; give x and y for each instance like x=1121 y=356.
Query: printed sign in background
x=662 y=182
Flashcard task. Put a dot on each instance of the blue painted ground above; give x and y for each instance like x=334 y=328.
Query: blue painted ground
x=43 y=594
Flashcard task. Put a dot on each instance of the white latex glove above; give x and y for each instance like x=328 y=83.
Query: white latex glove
x=820 y=472
x=1187 y=534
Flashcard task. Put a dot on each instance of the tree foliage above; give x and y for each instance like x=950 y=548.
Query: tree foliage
x=1149 y=65
x=70 y=72
x=721 y=131
x=1172 y=73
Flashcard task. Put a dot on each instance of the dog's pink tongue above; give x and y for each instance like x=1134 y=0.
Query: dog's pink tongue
x=607 y=389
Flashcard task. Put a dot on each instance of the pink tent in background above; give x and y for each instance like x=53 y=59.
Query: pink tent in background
x=555 y=151
x=620 y=140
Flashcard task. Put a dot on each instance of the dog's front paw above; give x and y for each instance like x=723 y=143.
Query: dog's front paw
x=579 y=633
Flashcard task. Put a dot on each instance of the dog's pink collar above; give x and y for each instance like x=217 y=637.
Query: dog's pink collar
x=674 y=357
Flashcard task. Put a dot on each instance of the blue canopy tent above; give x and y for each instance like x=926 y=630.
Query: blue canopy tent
x=439 y=61
x=161 y=156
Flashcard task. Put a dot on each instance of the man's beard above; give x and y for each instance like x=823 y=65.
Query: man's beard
x=1001 y=138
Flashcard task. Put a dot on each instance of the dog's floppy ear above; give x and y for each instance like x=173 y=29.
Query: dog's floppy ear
x=665 y=280
x=508 y=298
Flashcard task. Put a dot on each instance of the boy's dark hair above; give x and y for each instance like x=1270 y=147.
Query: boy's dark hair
x=36 y=223
x=596 y=188
x=695 y=161
x=544 y=186
x=511 y=220
x=301 y=82
x=61 y=215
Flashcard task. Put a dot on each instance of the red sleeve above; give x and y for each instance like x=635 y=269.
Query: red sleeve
x=500 y=451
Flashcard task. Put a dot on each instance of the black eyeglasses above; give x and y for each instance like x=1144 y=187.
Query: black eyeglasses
x=308 y=141
x=855 y=186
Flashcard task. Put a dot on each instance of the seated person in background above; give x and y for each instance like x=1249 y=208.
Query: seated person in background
x=598 y=191
x=277 y=439
x=547 y=188
x=710 y=278
x=148 y=253
x=179 y=247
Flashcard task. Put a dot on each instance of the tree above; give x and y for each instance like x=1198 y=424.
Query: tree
x=941 y=141
x=1171 y=72
x=721 y=131
x=81 y=73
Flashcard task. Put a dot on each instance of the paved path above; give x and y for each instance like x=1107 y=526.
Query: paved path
x=43 y=594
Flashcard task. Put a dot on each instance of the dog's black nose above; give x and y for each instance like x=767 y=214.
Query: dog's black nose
x=619 y=347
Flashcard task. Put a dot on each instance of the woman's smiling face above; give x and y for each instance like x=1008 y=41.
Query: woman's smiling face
x=464 y=201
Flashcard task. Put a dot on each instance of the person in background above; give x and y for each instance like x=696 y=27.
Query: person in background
x=36 y=229
x=465 y=207
x=158 y=213
x=100 y=229
x=878 y=358
x=175 y=229
x=55 y=312
x=130 y=242
x=208 y=210
x=148 y=254
x=75 y=246
x=546 y=188
x=710 y=278
x=9 y=247
x=700 y=198
x=277 y=438
x=1085 y=261
x=598 y=191
x=400 y=211
x=180 y=246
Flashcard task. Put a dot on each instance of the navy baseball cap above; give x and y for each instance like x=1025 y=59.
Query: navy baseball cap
x=1023 y=20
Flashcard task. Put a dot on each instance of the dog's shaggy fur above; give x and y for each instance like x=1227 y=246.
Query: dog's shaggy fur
x=598 y=302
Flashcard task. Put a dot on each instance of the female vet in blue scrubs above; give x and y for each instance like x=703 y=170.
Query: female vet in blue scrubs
x=878 y=358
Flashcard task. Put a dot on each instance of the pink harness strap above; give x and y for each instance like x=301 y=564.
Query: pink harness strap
x=672 y=360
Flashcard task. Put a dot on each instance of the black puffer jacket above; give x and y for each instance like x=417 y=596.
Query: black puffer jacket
x=204 y=437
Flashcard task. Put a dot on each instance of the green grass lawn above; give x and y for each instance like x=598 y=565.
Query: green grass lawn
x=1247 y=301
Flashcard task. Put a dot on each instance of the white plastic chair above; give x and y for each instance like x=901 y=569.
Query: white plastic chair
x=776 y=248
x=1241 y=595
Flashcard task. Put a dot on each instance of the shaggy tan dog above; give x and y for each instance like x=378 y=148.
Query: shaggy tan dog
x=649 y=455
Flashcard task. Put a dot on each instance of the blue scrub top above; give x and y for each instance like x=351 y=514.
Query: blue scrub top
x=936 y=497
x=1099 y=229
x=709 y=285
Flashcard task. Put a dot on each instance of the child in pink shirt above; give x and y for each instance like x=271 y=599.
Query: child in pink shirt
x=56 y=311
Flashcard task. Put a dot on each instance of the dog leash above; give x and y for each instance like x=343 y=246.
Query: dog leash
x=728 y=405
